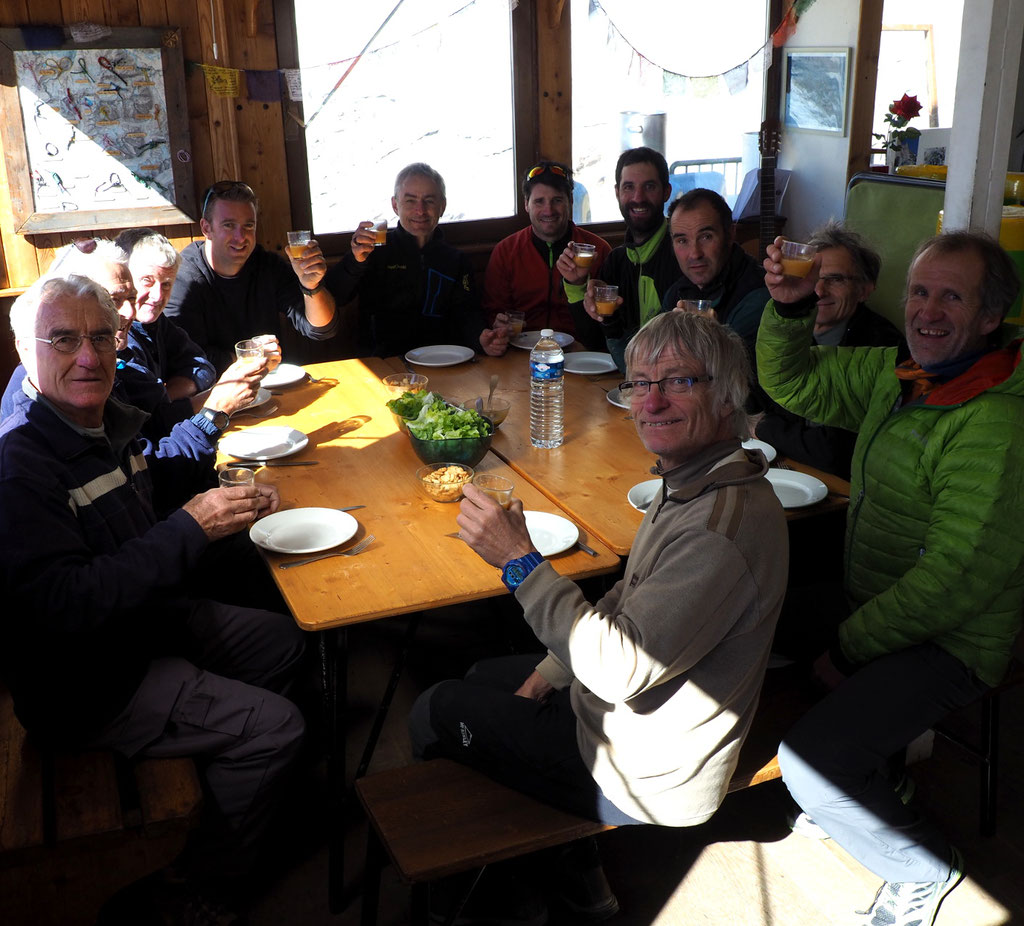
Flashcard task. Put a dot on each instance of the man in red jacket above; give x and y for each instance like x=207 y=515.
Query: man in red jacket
x=521 y=273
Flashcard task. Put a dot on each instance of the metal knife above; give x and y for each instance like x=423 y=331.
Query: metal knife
x=275 y=462
x=350 y=508
x=585 y=548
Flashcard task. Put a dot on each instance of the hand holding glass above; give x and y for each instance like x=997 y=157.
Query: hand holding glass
x=516 y=320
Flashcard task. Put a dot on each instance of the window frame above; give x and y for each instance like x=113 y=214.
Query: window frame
x=477 y=234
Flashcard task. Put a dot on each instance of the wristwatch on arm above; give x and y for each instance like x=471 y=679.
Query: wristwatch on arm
x=211 y=421
x=515 y=571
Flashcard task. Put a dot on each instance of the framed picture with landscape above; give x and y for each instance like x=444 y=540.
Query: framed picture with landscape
x=816 y=82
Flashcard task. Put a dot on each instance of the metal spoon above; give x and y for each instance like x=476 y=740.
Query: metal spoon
x=490 y=394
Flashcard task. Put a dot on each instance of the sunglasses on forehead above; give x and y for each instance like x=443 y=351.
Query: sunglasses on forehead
x=222 y=188
x=547 y=169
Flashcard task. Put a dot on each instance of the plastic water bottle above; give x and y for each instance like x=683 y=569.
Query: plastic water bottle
x=546 y=386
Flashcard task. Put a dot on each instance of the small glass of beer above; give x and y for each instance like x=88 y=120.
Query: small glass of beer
x=796 y=258
x=297 y=243
x=583 y=254
x=497 y=487
x=606 y=299
x=380 y=231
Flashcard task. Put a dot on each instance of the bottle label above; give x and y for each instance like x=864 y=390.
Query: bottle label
x=545 y=370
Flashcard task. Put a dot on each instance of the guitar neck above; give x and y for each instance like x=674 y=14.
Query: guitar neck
x=766 y=211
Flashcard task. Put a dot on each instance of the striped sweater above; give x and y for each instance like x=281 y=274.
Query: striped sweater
x=91 y=580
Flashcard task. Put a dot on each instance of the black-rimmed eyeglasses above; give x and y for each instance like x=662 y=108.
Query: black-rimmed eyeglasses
x=72 y=343
x=669 y=385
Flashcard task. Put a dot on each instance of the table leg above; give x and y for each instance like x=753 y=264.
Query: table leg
x=334 y=678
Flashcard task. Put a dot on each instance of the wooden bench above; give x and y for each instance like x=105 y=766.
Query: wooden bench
x=439 y=818
x=73 y=802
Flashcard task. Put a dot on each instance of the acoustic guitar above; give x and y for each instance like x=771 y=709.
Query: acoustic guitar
x=768 y=146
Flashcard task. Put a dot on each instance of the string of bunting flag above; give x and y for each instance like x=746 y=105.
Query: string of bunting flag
x=276 y=85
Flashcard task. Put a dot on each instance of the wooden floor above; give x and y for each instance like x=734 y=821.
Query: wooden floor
x=742 y=868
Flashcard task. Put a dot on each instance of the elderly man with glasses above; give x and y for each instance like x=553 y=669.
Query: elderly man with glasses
x=526 y=270
x=101 y=642
x=639 y=708
x=229 y=288
x=846 y=278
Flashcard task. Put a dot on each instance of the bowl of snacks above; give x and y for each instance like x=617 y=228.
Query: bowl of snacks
x=443 y=433
x=443 y=482
x=407 y=403
x=497 y=410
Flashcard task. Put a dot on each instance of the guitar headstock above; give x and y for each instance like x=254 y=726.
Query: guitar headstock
x=768 y=139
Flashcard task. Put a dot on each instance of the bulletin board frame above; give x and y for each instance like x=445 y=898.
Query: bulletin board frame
x=140 y=193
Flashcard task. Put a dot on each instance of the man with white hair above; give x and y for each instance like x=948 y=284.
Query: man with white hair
x=189 y=426
x=639 y=709
x=100 y=643
x=162 y=346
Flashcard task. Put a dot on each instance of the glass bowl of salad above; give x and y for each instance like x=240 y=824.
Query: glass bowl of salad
x=409 y=393
x=442 y=433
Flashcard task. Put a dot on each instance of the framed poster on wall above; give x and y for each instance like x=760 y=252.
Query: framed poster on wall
x=815 y=82
x=96 y=135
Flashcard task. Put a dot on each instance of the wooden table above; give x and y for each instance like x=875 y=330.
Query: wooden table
x=414 y=564
x=601 y=458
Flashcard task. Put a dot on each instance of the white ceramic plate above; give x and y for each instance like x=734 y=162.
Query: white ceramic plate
x=643 y=493
x=262 y=397
x=588 y=361
x=796 y=490
x=303 y=530
x=440 y=355
x=284 y=375
x=263 y=443
x=616 y=399
x=550 y=533
x=527 y=339
x=767 y=449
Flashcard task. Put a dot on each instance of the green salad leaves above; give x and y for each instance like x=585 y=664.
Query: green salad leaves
x=429 y=417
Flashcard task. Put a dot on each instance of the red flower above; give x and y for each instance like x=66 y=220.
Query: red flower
x=906 y=108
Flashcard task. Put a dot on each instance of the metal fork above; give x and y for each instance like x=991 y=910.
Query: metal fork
x=358 y=548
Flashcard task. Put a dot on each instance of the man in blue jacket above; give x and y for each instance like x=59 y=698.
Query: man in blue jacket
x=101 y=643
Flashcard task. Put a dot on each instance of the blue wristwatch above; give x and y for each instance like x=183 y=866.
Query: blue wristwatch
x=516 y=570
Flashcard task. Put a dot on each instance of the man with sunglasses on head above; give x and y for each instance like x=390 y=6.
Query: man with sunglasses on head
x=229 y=288
x=414 y=289
x=103 y=643
x=523 y=271
x=639 y=708
x=846 y=278
x=644 y=267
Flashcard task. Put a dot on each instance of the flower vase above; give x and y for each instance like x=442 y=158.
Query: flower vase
x=905 y=154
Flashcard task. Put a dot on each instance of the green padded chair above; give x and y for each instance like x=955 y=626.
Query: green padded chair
x=895 y=214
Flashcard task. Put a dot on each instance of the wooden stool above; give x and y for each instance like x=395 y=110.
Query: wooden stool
x=986 y=747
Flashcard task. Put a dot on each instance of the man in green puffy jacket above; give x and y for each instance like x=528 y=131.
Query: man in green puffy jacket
x=934 y=570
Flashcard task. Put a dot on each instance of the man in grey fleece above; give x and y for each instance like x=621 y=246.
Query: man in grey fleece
x=638 y=711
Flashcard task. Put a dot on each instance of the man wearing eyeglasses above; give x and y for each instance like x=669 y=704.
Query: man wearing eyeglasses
x=933 y=586
x=229 y=288
x=100 y=643
x=846 y=278
x=525 y=269
x=638 y=711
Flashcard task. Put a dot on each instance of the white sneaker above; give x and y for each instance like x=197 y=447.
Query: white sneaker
x=804 y=826
x=912 y=903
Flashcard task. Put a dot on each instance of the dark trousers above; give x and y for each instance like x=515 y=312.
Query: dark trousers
x=219 y=699
x=525 y=744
